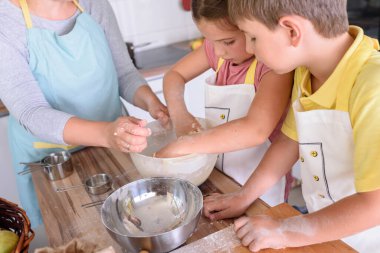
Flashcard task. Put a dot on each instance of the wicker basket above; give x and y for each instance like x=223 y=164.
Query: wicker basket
x=14 y=219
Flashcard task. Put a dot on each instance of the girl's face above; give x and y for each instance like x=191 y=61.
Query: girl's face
x=228 y=42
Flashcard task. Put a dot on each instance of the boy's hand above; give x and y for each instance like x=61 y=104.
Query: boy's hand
x=220 y=206
x=169 y=151
x=260 y=232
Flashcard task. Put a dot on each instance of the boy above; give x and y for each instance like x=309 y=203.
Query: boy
x=333 y=126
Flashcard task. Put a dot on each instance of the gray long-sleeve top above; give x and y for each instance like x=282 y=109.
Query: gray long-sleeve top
x=19 y=90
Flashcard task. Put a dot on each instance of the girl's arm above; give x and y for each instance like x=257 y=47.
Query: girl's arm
x=269 y=104
x=189 y=67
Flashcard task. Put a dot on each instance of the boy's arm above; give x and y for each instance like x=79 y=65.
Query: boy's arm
x=269 y=104
x=277 y=161
x=189 y=67
x=346 y=217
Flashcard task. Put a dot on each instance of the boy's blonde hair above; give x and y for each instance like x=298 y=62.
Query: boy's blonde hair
x=329 y=17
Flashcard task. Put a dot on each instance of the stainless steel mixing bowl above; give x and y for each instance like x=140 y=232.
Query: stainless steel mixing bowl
x=153 y=214
x=193 y=167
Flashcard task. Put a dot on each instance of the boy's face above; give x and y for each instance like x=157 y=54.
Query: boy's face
x=272 y=47
x=228 y=42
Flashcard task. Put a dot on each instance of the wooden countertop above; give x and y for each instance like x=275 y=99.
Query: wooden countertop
x=3 y=110
x=65 y=218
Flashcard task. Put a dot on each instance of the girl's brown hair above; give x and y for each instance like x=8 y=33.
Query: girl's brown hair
x=212 y=10
x=329 y=17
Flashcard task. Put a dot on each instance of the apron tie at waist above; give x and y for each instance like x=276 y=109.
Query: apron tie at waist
x=45 y=145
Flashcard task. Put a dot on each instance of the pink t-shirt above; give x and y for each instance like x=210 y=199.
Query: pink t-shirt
x=235 y=74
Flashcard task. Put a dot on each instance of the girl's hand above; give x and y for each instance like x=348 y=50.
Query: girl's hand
x=220 y=206
x=260 y=232
x=186 y=124
x=128 y=134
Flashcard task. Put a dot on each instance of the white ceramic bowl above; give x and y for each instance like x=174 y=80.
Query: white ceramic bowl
x=193 y=167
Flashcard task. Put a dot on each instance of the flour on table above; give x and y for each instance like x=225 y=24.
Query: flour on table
x=224 y=241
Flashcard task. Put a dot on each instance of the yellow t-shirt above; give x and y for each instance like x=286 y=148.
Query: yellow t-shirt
x=363 y=104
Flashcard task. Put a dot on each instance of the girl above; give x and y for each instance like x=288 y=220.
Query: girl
x=243 y=123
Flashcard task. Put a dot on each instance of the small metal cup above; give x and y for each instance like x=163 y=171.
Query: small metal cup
x=98 y=184
x=57 y=165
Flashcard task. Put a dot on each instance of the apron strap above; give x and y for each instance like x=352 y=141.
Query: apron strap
x=250 y=75
x=26 y=13
x=220 y=63
x=78 y=5
x=45 y=145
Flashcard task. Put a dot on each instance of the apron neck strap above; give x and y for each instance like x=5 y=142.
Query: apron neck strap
x=250 y=75
x=220 y=63
x=80 y=8
x=26 y=13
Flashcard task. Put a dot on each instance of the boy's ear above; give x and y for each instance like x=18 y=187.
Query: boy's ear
x=292 y=28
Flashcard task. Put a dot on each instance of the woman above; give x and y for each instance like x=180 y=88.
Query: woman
x=63 y=67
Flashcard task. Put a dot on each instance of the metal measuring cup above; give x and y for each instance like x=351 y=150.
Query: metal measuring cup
x=56 y=166
x=96 y=184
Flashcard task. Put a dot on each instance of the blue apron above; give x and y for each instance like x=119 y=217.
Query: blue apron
x=77 y=75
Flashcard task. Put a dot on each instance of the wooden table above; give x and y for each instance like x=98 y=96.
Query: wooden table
x=65 y=218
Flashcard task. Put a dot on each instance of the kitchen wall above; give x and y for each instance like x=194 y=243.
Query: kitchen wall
x=158 y=22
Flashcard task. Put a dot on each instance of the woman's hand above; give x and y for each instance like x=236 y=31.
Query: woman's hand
x=128 y=134
x=159 y=112
x=146 y=99
x=260 y=232
x=220 y=206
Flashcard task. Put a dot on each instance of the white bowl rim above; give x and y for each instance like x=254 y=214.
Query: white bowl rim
x=175 y=158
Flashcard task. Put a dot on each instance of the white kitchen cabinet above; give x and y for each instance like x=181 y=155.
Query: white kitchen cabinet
x=8 y=189
x=194 y=96
x=154 y=22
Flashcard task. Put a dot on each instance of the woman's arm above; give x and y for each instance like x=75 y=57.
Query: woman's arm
x=270 y=103
x=132 y=85
x=127 y=134
x=146 y=99
x=192 y=65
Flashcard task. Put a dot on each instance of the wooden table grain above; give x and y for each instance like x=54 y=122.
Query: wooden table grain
x=66 y=219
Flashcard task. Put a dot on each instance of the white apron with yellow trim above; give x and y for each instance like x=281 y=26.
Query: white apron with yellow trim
x=77 y=75
x=326 y=153
x=230 y=102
